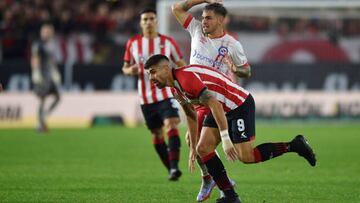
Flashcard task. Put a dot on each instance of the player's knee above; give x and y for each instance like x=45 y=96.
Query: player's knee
x=172 y=123
x=246 y=158
x=202 y=149
x=157 y=133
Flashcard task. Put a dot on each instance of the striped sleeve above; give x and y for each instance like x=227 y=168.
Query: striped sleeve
x=127 y=56
x=175 y=52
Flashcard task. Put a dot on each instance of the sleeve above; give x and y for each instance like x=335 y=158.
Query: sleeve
x=190 y=83
x=175 y=52
x=127 y=56
x=238 y=55
x=192 y=25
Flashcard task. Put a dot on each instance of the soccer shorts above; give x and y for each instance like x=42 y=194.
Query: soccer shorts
x=241 y=121
x=156 y=113
x=46 y=88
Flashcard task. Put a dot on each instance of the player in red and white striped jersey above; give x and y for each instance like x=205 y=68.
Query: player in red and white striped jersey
x=157 y=105
x=232 y=120
x=211 y=46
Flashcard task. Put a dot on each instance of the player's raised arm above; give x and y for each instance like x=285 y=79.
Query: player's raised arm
x=207 y=99
x=180 y=9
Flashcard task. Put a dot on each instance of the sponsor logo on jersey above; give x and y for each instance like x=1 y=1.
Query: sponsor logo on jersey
x=206 y=60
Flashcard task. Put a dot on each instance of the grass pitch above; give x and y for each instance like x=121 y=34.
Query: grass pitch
x=118 y=164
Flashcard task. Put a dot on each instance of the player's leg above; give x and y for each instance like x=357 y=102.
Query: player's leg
x=154 y=124
x=170 y=114
x=243 y=132
x=41 y=115
x=208 y=141
x=207 y=183
x=56 y=92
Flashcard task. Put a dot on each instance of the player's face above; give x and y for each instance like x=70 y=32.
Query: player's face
x=46 y=32
x=158 y=74
x=148 y=22
x=210 y=22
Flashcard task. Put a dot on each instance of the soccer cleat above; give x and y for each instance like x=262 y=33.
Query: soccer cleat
x=174 y=174
x=232 y=199
x=222 y=194
x=302 y=147
x=205 y=190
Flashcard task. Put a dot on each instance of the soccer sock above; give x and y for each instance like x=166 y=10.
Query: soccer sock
x=174 y=147
x=161 y=149
x=268 y=151
x=41 y=114
x=218 y=172
x=204 y=172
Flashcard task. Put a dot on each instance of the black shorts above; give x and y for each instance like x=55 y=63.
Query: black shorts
x=241 y=121
x=156 y=113
x=46 y=88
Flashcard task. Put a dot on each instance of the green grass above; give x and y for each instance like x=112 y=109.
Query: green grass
x=115 y=164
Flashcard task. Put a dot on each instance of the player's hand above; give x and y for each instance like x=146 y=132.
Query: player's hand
x=229 y=150
x=192 y=158
x=134 y=70
x=179 y=98
x=36 y=76
x=214 y=1
x=229 y=63
x=228 y=147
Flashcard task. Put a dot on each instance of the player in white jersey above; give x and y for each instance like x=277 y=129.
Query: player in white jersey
x=157 y=105
x=213 y=47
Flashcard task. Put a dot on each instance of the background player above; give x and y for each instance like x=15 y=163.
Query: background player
x=157 y=105
x=232 y=120
x=213 y=47
x=45 y=75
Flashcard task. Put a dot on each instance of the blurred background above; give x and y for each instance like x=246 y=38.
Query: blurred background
x=305 y=57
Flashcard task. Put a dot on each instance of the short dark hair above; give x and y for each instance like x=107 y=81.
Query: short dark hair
x=148 y=10
x=217 y=8
x=155 y=59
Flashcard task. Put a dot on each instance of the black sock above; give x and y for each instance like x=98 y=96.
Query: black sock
x=217 y=171
x=161 y=149
x=268 y=151
x=174 y=148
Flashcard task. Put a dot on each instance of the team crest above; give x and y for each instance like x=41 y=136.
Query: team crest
x=223 y=51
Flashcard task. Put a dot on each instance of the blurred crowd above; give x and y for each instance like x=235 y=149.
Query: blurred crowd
x=20 y=20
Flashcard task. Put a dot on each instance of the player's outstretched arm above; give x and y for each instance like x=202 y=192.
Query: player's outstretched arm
x=130 y=69
x=207 y=99
x=180 y=9
x=191 y=120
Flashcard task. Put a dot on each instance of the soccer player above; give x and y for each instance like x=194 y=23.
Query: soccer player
x=211 y=46
x=157 y=105
x=45 y=75
x=231 y=121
